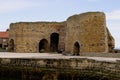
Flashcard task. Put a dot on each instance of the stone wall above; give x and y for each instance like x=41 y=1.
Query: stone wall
x=89 y=30
x=73 y=63
x=79 y=34
x=111 y=42
x=75 y=67
x=27 y=36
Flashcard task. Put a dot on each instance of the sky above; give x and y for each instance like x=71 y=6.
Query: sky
x=12 y=11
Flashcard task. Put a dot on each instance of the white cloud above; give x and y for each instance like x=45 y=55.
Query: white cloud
x=113 y=22
x=113 y=25
x=115 y=15
x=13 y=5
x=93 y=0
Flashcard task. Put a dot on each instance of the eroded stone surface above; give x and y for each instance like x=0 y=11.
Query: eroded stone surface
x=54 y=67
x=79 y=34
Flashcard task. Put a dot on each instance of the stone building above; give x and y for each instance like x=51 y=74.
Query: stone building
x=79 y=34
x=4 y=37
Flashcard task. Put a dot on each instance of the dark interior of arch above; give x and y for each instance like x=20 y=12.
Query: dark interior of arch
x=54 y=40
x=43 y=45
x=11 y=45
x=76 y=48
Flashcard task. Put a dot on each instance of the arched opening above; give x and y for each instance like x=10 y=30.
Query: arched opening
x=54 y=40
x=43 y=45
x=76 y=48
x=11 y=45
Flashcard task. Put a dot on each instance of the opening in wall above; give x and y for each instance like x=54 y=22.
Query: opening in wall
x=43 y=45
x=54 y=41
x=76 y=48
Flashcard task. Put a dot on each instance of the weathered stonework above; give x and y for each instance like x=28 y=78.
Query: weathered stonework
x=58 y=69
x=79 y=34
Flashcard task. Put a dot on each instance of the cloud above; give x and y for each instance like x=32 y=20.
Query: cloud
x=113 y=22
x=117 y=43
x=14 y=5
x=114 y=15
x=93 y=0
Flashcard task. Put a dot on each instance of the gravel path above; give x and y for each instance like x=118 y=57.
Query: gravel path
x=52 y=56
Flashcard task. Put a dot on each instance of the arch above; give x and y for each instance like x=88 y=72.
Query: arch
x=76 y=48
x=54 y=40
x=43 y=45
x=11 y=45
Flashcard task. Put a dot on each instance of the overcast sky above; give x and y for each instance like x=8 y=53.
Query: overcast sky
x=12 y=11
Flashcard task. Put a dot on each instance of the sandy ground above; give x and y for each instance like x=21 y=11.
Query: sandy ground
x=52 y=56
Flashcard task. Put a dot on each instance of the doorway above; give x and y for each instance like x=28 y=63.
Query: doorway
x=43 y=45
x=11 y=45
x=54 y=41
x=76 y=48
